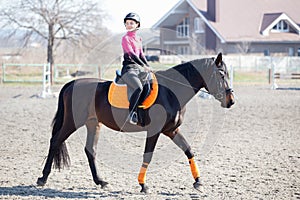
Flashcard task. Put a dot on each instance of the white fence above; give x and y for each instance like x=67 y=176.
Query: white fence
x=64 y=72
x=46 y=92
x=35 y=73
x=246 y=63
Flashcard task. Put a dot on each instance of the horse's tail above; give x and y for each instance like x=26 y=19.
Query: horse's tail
x=61 y=157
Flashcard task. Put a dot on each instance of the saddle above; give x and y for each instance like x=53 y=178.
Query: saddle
x=117 y=94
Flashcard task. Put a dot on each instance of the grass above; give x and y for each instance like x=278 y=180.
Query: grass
x=255 y=77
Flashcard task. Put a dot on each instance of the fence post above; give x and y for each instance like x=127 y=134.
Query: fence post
x=98 y=70
x=274 y=85
x=270 y=75
x=231 y=76
x=46 y=81
x=2 y=75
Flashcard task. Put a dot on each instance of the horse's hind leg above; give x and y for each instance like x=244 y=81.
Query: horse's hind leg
x=57 y=151
x=180 y=141
x=93 y=131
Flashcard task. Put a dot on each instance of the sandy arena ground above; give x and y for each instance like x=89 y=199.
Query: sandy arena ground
x=251 y=151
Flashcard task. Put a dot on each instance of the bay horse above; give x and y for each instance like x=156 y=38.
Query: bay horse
x=85 y=102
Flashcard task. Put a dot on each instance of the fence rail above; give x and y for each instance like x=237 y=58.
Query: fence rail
x=248 y=63
x=33 y=73
x=287 y=76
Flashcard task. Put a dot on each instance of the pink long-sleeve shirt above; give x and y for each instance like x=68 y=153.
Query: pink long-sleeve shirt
x=133 y=49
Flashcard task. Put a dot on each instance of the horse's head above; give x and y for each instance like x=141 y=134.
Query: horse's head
x=218 y=84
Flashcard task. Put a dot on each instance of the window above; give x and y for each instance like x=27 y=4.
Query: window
x=197 y=25
x=183 y=29
x=291 y=51
x=266 y=52
x=299 y=52
x=281 y=26
x=183 y=50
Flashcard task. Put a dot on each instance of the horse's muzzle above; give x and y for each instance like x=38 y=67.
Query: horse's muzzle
x=229 y=98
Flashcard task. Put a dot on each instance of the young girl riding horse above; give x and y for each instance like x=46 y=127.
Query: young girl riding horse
x=134 y=60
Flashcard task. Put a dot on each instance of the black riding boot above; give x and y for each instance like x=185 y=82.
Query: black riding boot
x=133 y=103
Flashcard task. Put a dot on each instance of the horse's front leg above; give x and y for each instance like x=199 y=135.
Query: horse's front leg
x=149 y=149
x=180 y=141
x=93 y=132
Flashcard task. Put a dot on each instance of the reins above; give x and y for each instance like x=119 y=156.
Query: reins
x=196 y=89
x=217 y=95
x=186 y=85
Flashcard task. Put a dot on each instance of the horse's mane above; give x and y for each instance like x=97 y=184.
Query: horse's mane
x=186 y=69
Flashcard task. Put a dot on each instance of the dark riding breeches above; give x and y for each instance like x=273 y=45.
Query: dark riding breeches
x=135 y=87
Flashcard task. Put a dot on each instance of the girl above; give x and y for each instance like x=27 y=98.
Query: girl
x=134 y=60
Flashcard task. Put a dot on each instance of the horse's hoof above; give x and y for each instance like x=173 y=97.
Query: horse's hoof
x=103 y=184
x=198 y=186
x=144 y=189
x=41 y=182
x=100 y=182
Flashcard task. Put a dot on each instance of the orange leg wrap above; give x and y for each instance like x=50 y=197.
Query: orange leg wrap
x=142 y=174
x=194 y=168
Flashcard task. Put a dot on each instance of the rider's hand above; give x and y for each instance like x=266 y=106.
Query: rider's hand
x=147 y=68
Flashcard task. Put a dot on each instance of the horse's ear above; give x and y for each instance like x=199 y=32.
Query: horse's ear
x=218 y=61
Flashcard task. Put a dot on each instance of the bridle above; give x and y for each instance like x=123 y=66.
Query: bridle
x=219 y=94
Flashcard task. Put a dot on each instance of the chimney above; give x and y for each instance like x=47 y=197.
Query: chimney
x=213 y=10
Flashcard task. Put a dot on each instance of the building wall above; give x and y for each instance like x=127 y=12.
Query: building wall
x=196 y=42
x=197 y=39
x=211 y=39
x=283 y=49
x=262 y=49
x=167 y=34
x=206 y=42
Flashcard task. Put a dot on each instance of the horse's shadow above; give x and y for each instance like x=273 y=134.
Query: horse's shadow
x=288 y=88
x=33 y=191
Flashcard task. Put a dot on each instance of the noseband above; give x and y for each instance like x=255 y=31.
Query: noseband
x=229 y=90
x=219 y=93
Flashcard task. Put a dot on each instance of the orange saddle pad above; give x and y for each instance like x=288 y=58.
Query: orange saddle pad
x=117 y=95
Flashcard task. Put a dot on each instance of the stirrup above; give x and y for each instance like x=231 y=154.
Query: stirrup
x=133 y=118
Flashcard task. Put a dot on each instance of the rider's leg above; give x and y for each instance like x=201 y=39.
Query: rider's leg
x=134 y=98
x=132 y=80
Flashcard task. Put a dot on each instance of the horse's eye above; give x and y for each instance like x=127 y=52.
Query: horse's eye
x=222 y=73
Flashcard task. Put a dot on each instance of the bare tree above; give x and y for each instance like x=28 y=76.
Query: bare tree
x=54 y=21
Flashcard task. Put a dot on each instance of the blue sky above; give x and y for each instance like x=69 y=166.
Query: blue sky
x=150 y=11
